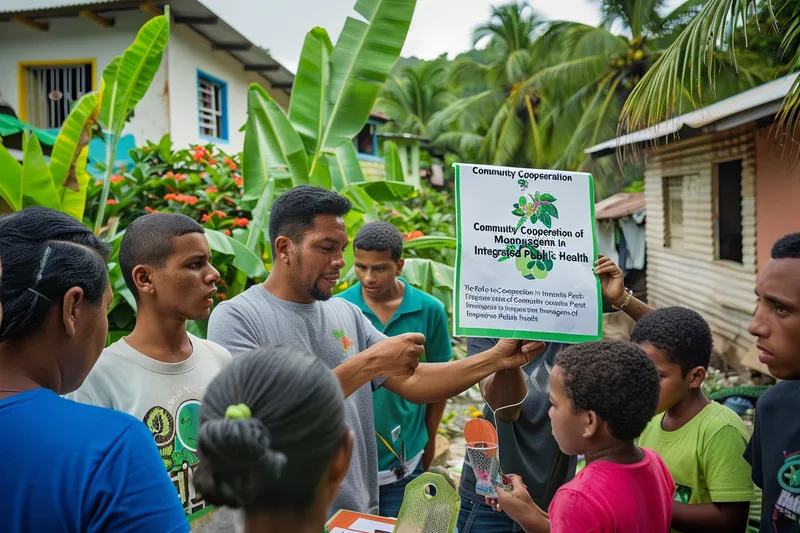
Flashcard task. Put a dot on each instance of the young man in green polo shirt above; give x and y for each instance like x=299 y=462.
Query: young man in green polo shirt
x=406 y=432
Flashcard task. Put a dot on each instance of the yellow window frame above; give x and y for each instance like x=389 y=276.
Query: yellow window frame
x=22 y=78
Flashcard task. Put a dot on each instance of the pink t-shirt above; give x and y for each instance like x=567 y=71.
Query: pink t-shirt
x=613 y=498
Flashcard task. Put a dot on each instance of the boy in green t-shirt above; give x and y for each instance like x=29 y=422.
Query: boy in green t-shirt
x=405 y=431
x=701 y=441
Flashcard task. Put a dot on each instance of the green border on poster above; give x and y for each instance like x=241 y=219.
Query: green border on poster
x=567 y=338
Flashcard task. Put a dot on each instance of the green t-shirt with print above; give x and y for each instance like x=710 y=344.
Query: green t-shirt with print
x=400 y=424
x=705 y=456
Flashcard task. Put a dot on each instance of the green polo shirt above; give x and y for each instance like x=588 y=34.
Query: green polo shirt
x=419 y=312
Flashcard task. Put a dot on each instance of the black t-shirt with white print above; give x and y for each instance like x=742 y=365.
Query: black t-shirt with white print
x=774 y=454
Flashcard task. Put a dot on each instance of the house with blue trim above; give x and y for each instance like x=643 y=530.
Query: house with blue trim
x=54 y=51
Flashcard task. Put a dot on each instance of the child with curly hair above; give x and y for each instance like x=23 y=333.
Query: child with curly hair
x=603 y=394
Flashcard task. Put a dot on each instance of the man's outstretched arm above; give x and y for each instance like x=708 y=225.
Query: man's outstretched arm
x=436 y=382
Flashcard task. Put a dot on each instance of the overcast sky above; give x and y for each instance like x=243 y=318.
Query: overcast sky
x=438 y=26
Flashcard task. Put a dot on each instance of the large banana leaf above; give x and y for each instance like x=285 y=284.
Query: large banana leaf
x=432 y=277
x=36 y=184
x=430 y=241
x=134 y=73
x=70 y=154
x=11 y=182
x=307 y=107
x=362 y=59
x=344 y=167
x=392 y=164
x=383 y=191
x=272 y=146
x=243 y=258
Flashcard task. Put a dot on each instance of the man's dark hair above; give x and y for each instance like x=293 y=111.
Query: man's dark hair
x=45 y=253
x=380 y=236
x=681 y=333
x=293 y=212
x=787 y=247
x=148 y=241
x=615 y=379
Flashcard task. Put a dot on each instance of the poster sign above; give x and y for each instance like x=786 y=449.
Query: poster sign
x=526 y=252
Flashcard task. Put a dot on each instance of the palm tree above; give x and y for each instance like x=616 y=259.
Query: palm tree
x=411 y=98
x=689 y=68
x=591 y=84
x=494 y=121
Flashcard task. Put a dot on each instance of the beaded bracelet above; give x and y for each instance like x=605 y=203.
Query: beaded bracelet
x=627 y=300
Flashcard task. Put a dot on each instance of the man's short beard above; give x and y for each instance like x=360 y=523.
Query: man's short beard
x=318 y=295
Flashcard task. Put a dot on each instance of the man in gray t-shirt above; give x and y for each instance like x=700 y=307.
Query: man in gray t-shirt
x=308 y=238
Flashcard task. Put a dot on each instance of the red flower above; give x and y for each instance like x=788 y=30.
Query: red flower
x=181 y=177
x=221 y=296
x=169 y=175
x=111 y=201
x=199 y=153
x=182 y=198
x=241 y=222
x=413 y=235
x=209 y=216
x=116 y=178
x=98 y=183
x=212 y=161
x=228 y=232
x=150 y=209
x=238 y=180
x=211 y=190
x=230 y=162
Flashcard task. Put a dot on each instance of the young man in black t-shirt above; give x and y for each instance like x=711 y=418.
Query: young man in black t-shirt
x=774 y=450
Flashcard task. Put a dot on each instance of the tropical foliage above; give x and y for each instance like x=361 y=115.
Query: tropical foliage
x=720 y=34
x=541 y=92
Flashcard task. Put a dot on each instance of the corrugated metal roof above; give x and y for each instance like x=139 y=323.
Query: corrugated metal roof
x=746 y=106
x=193 y=13
x=620 y=205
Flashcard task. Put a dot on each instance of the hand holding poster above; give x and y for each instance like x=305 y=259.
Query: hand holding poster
x=526 y=252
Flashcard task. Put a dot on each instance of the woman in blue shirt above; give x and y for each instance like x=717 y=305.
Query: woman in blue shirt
x=66 y=467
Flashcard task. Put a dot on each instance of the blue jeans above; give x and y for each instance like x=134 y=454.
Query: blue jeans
x=479 y=518
x=391 y=496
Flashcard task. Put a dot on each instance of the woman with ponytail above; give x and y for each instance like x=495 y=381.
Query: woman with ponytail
x=66 y=467
x=273 y=441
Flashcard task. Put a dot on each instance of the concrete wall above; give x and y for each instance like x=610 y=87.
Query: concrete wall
x=189 y=52
x=80 y=39
x=170 y=105
x=777 y=194
x=691 y=275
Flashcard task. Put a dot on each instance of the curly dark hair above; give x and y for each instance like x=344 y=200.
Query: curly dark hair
x=679 y=332
x=787 y=247
x=616 y=380
x=380 y=236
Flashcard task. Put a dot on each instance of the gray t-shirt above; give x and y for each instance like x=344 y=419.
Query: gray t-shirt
x=333 y=330
x=527 y=446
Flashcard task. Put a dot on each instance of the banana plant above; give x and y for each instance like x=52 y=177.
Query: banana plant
x=63 y=183
x=334 y=91
x=125 y=82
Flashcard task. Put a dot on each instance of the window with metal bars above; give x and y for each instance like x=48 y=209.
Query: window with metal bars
x=673 y=212
x=212 y=107
x=51 y=91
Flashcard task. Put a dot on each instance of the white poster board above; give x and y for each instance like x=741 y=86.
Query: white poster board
x=526 y=253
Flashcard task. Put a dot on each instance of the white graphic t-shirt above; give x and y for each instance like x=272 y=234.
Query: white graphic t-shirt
x=166 y=397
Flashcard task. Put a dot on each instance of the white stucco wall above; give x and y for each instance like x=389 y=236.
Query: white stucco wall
x=189 y=52
x=170 y=105
x=77 y=38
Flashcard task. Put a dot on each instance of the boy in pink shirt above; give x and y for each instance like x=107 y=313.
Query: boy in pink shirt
x=603 y=394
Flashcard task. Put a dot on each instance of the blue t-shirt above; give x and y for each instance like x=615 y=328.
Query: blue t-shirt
x=72 y=468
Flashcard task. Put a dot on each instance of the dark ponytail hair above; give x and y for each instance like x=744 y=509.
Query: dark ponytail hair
x=274 y=459
x=45 y=253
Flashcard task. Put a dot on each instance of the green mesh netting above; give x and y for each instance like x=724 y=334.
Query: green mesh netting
x=430 y=505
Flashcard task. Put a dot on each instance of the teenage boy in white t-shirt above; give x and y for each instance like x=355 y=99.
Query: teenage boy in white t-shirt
x=159 y=372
